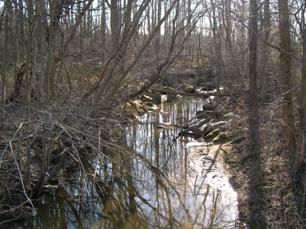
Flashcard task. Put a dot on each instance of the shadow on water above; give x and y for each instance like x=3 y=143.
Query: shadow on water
x=157 y=181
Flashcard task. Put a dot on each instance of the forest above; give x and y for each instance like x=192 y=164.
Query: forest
x=152 y=114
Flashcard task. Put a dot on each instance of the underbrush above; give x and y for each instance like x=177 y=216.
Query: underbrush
x=36 y=151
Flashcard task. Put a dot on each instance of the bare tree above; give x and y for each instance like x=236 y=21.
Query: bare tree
x=303 y=91
x=5 y=60
x=217 y=48
x=115 y=25
x=255 y=174
x=265 y=49
x=286 y=82
x=103 y=29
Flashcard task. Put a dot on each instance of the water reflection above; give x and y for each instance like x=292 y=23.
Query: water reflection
x=164 y=182
x=194 y=192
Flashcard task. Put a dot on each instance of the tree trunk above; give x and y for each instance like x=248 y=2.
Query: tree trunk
x=115 y=25
x=41 y=38
x=255 y=172
x=157 y=38
x=217 y=48
x=303 y=94
x=103 y=30
x=265 y=49
x=127 y=25
x=228 y=26
x=286 y=84
x=28 y=76
x=4 y=67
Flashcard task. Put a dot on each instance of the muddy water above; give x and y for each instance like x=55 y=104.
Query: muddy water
x=165 y=182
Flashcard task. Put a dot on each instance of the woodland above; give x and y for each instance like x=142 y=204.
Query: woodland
x=79 y=79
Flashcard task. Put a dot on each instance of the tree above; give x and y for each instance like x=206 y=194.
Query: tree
x=5 y=60
x=286 y=82
x=217 y=48
x=265 y=49
x=115 y=25
x=303 y=90
x=255 y=174
x=103 y=29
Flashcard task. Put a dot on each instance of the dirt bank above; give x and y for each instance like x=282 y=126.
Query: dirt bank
x=281 y=197
x=279 y=205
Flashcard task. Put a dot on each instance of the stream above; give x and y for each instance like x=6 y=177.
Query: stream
x=166 y=182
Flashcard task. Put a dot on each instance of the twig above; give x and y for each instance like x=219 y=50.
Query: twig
x=34 y=212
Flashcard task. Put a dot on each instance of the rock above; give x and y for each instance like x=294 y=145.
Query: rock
x=189 y=89
x=238 y=139
x=201 y=123
x=163 y=98
x=208 y=107
x=199 y=80
x=204 y=127
x=207 y=128
x=128 y=104
x=141 y=111
x=156 y=99
x=212 y=134
x=190 y=133
x=135 y=116
x=201 y=114
x=149 y=104
x=197 y=134
x=146 y=98
x=220 y=138
x=195 y=125
x=228 y=158
x=208 y=87
x=172 y=97
x=230 y=115
x=219 y=124
x=150 y=107
x=136 y=104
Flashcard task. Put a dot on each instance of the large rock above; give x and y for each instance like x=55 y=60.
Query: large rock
x=208 y=107
x=238 y=139
x=210 y=127
x=194 y=133
x=230 y=116
x=221 y=138
x=201 y=114
x=220 y=124
x=212 y=134
x=207 y=86
x=189 y=89
x=146 y=98
x=156 y=99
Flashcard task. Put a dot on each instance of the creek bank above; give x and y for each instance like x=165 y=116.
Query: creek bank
x=279 y=203
x=223 y=120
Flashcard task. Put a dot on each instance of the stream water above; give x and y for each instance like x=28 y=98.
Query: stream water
x=166 y=182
